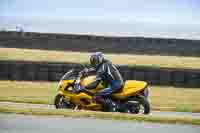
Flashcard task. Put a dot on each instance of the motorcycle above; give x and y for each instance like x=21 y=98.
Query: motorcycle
x=132 y=98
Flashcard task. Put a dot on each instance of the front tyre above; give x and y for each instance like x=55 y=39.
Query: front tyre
x=139 y=104
x=60 y=102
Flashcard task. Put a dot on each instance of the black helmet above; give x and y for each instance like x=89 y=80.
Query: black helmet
x=96 y=59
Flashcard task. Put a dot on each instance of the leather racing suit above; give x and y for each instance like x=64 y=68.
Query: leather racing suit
x=110 y=76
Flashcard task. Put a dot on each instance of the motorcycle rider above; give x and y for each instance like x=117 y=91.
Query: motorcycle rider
x=105 y=72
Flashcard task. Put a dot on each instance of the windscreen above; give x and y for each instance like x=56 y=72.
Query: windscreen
x=70 y=75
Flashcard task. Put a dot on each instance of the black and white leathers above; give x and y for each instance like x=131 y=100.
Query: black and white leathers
x=107 y=73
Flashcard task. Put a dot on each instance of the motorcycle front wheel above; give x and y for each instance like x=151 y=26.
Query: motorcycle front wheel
x=60 y=102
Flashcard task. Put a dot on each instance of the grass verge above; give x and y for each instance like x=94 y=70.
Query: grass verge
x=13 y=54
x=99 y=115
x=162 y=98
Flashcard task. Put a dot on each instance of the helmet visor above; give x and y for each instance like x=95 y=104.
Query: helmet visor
x=94 y=61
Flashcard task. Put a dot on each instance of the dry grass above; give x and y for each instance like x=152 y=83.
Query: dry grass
x=175 y=99
x=161 y=98
x=31 y=92
x=77 y=57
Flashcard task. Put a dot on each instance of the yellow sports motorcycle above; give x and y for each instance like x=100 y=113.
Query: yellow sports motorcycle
x=132 y=98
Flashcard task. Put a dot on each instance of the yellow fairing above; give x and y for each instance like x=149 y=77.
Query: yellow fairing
x=64 y=84
x=77 y=98
x=88 y=80
x=131 y=87
x=81 y=98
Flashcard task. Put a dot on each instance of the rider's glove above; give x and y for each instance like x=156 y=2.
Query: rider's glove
x=77 y=86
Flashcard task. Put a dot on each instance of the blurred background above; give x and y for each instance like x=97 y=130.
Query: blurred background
x=155 y=18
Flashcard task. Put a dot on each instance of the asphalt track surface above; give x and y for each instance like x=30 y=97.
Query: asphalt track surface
x=153 y=113
x=12 y=123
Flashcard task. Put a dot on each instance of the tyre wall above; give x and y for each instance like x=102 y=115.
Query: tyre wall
x=38 y=71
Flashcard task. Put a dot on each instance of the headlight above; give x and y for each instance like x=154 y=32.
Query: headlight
x=70 y=88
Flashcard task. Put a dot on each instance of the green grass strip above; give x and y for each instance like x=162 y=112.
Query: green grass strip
x=162 y=98
x=173 y=109
x=99 y=115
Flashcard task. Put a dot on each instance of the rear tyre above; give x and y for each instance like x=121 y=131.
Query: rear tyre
x=60 y=102
x=139 y=104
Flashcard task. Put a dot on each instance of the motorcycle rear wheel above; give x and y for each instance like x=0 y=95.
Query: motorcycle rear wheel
x=140 y=105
